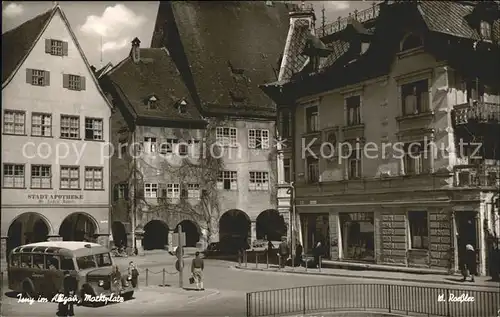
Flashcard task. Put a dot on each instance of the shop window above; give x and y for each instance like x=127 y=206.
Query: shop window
x=357 y=236
x=419 y=231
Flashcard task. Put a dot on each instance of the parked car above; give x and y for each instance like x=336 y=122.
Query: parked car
x=212 y=249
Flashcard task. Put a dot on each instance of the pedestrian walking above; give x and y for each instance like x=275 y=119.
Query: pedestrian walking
x=298 y=254
x=66 y=304
x=133 y=272
x=470 y=263
x=283 y=252
x=318 y=252
x=197 y=267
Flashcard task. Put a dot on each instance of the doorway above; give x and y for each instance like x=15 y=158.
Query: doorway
x=467 y=233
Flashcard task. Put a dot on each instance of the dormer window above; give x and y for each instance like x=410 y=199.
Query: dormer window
x=182 y=106
x=485 y=29
x=153 y=102
x=411 y=41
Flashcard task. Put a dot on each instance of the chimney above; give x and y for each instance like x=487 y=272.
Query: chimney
x=269 y=3
x=299 y=18
x=136 y=50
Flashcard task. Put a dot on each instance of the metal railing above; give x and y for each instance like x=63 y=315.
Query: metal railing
x=403 y=299
x=341 y=23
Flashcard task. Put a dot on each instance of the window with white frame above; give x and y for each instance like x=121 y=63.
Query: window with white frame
x=419 y=229
x=169 y=146
x=150 y=190
x=182 y=148
x=93 y=178
x=259 y=181
x=173 y=190
x=93 y=129
x=38 y=77
x=41 y=176
x=353 y=109
x=149 y=144
x=56 y=47
x=13 y=176
x=226 y=136
x=14 y=122
x=415 y=97
x=41 y=124
x=416 y=158
x=227 y=180
x=70 y=127
x=354 y=163
x=70 y=177
x=258 y=139
x=194 y=191
x=195 y=148
x=122 y=192
x=312 y=119
x=312 y=169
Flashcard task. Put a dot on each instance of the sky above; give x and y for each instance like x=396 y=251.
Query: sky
x=115 y=24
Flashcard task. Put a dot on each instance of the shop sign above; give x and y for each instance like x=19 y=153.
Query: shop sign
x=55 y=198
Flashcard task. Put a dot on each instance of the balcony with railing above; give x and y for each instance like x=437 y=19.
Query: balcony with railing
x=342 y=22
x=477 y=176
x=476 y=112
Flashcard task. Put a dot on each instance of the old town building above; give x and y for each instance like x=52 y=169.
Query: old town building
x=412 y=87
x=196 y=87
x=55 y=123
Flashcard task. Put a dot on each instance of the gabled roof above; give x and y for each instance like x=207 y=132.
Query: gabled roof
x=231 y=47
x=99 y=73
x=18 y=43
x=155 y=74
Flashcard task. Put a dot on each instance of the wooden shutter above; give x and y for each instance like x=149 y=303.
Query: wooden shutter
x=46 y=75
x=82 y=83
x=48 y=46
x=65 y=48
x=29 y=75
x=139 y=192
x=65 y=81
x=115 y=192
x=127 y=194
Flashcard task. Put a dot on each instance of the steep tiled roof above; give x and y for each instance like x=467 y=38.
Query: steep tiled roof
x=448 y=17
x=155 y=74
x=232 y=47
x=17 y=43
x=101 y=71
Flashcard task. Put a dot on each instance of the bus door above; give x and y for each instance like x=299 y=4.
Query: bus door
x=38 y=272
x=53 y=274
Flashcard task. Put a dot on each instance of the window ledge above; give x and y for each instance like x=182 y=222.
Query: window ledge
x=67 y=138
x=418 y=250
x=311 y=133
x=92 y=140
x=410 y=52
x=415 y=116
x=95 y=190
x=17 y=134
x=41 y=136
x=38 y=188
x=359 y=126
x=14 y=187
x=70 y=189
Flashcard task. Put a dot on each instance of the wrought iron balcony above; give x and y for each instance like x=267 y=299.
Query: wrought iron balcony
x=476 y=112
x=477 y=175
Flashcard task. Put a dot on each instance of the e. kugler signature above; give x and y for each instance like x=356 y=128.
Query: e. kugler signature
x=462 y=298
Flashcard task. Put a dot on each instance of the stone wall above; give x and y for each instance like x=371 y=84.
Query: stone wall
x=393 y=238
x=333 y=220
x=440 y=239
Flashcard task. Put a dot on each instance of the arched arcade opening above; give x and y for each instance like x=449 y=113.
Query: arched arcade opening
x=78 y=227
x=191 y=231
x=270 y=225
x=155 y=235
x=234 y=230
x=27 y=228
x=119 y=234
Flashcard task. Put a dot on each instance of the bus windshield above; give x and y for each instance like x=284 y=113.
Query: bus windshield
x=93 y=261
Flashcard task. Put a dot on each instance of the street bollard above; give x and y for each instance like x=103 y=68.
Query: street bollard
x=240 y=256
x=267 y=259
x=245 y=256
x=147 y=273
x=279 y=261
x=319 y=264
x=307 y=260
x=163 y=278
x=256 y=260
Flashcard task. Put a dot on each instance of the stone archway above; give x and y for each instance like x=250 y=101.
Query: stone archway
x=29 y=227
x=78 y=227
x=234 y=230
x=155 y=235
x=192 y=232
x=270 y=225
x=119 y=234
